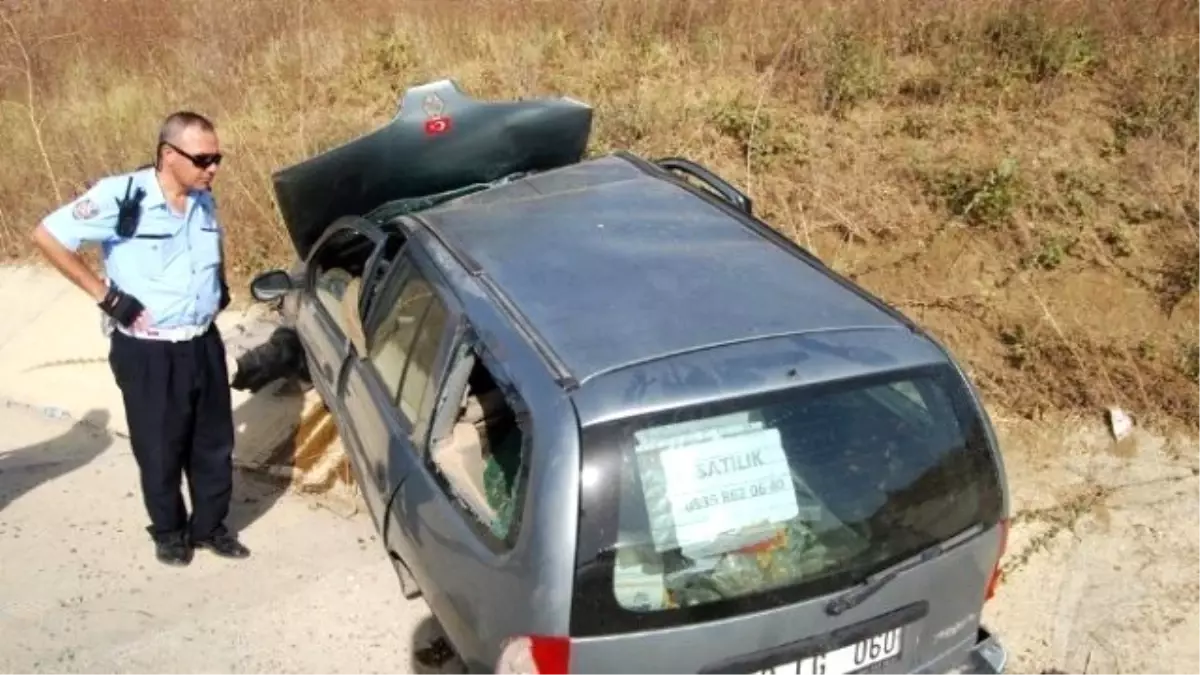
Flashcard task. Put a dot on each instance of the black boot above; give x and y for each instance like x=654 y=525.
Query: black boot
x=172 y=549
x=224 y=543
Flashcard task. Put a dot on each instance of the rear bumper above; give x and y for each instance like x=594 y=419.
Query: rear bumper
x=987 y=655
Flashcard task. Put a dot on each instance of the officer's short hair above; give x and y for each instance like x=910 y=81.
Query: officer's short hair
x=176 y=122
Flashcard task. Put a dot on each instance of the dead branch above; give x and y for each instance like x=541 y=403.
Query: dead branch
x=31 y=107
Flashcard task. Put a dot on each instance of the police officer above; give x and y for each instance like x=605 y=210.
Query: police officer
x=163 y=258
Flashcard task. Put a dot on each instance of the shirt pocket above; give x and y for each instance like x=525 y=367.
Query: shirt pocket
x=206 y=248
x=151 y=251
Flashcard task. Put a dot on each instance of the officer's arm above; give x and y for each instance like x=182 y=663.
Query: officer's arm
x=221 y=278
x=90 y=218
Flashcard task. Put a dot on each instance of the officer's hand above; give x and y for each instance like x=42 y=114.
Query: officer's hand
x=124 y=308
x=143 y=321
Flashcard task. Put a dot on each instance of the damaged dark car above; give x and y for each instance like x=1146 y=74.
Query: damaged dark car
x=605 y=419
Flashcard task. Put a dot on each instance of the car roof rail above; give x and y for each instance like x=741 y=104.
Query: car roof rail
x=722 y=187
x=562 y=374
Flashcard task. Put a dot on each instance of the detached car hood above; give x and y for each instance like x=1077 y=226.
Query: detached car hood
x=441 y=140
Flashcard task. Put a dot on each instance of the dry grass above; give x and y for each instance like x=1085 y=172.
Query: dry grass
x=1019 y=175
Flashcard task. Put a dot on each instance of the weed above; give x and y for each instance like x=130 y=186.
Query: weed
x=1030 y=48
x=1016 y=343
x=853 y=73
x=916 y=127
x=1058 y=518
x=979 y=196
x=1080 y=191
x=1053 y=251
x=1146 y=350
x=753 y=129
x=1179 y=278
x=1117 y=238
x=925 y=89
x=1188 y=361
x=1137 y=213
x=1157 y=95
x=928 y=35
x=391 y=57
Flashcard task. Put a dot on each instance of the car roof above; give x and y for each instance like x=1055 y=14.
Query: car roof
x=610 y=262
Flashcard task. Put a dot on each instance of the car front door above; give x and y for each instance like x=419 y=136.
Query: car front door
x=347 y=270
x=330 y=314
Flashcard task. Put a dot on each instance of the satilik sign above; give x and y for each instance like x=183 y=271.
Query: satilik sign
x=719 y=486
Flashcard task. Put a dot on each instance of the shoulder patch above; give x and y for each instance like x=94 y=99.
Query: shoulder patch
x=84 y=209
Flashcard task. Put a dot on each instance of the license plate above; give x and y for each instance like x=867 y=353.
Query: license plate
x=849 y=659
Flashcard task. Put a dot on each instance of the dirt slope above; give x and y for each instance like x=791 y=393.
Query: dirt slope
x=1020 y=175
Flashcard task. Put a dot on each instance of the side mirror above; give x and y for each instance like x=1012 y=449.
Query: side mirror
x=271 y=285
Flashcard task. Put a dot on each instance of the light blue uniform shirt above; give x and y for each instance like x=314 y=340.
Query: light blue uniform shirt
x=172 y=262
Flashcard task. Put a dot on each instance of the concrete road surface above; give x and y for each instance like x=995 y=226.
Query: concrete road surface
x=80 y=589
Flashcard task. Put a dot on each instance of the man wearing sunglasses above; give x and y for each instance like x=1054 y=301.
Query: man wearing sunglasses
x=162 y=247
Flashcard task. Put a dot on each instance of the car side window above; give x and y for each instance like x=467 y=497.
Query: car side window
x=335 y=287
x=337 y=278
x=393 y=344
x=479 y=454
x=416 y=385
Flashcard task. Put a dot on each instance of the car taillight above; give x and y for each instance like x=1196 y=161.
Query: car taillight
x=995 y=580
x=535 y=654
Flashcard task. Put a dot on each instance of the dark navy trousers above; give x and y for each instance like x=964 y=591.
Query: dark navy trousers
x=178 y=408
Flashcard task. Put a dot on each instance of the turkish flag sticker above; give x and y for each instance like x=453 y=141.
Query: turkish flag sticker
x=437 y=125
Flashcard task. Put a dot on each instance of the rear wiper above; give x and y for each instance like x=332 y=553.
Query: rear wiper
x=858 y=594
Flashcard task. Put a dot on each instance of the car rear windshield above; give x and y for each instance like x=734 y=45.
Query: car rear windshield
x=715 y=510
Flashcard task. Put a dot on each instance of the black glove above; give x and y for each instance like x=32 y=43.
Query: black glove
x=121 y=306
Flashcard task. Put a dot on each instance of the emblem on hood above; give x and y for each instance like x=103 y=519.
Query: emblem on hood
x=433 y=105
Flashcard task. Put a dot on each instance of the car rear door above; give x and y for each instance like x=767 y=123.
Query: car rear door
x=420 y=364
x=388 y=390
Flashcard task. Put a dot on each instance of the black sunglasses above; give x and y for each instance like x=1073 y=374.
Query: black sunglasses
x=199 y=161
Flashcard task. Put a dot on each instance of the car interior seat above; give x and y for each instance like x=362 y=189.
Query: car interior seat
x=481 y=456
x=350 y=317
